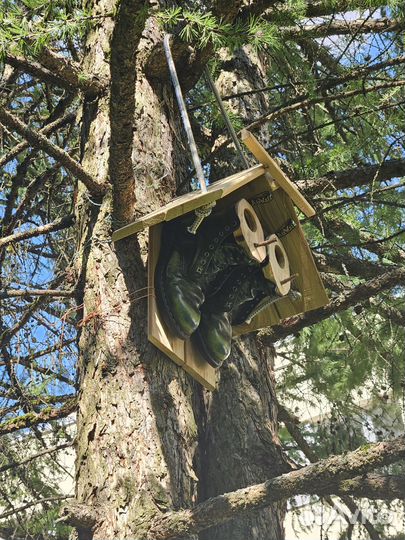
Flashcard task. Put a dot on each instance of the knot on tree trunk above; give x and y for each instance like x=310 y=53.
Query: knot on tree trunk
x=79 y=515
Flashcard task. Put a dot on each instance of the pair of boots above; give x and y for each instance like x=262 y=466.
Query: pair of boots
x=205 y=283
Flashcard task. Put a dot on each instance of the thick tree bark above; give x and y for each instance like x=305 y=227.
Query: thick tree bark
x=242 y=445
x=146 y=443
x=137 y=432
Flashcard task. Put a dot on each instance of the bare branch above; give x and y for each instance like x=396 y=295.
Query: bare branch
x=39 y=140
x=322 y=476
x=356 y=295
x=14 y=293
x=57 y=225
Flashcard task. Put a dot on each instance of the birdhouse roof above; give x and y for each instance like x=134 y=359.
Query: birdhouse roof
x=191 y=201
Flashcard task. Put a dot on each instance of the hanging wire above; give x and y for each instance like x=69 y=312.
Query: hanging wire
x=204 y=211
x=184 y=115
x=225 y=116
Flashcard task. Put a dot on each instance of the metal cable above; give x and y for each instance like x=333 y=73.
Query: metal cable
x=226 y=117
x=184 y=116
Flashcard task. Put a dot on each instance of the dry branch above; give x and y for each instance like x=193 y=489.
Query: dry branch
x=39 y=140
x=356 y=295
x=323 y=476
x=57 y=225
x=18 y=293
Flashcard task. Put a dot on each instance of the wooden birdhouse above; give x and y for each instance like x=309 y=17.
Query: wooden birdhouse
x=264 y=199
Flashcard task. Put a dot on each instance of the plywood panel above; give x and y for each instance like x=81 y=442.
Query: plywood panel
x=181 y=352
x=274 y=214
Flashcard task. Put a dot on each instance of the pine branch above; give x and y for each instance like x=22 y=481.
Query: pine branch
x=14 y=511
x=358 y=294
x=31 y=365
x=28 y=459
x=57 y=225
x=57 y=347
x=292 y=427
x=34 y=401
x=270 y=9
x=46 y=130
x=341 y=27
x=39 y=140
x=55 y=69
x=304 y=102
x=19 y=293
x=34 y=419
x=323 y=476
x=325 y=83
x=374 y=486
x=348 y=264
x=348 y=178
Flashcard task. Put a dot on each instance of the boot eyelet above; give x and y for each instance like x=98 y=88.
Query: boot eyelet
x=227 y=228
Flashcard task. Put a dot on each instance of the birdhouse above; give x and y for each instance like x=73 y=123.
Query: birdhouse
x=268 y=229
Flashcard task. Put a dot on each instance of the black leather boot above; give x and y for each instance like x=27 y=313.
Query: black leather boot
x=234 y=298
x=189 y=263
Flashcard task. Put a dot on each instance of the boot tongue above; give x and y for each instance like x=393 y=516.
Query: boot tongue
x=209 y=239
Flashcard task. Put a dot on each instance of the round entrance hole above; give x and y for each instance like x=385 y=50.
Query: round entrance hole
x=279 y=256
x=250 y=220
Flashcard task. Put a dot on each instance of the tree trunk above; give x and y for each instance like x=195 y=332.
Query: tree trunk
x=149 y=439
x=241 y=440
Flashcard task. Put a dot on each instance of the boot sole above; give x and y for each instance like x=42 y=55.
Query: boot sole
x=201 y=346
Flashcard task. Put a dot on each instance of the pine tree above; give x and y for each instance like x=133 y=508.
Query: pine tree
x=92 y=138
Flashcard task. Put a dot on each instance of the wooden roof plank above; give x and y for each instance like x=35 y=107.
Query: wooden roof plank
x=277 y=174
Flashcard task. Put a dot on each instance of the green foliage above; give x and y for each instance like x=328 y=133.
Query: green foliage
x=27 y=26
x=203 y=28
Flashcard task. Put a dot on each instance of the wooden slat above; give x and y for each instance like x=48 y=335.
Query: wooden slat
x=277 y=174
x=190 y=201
